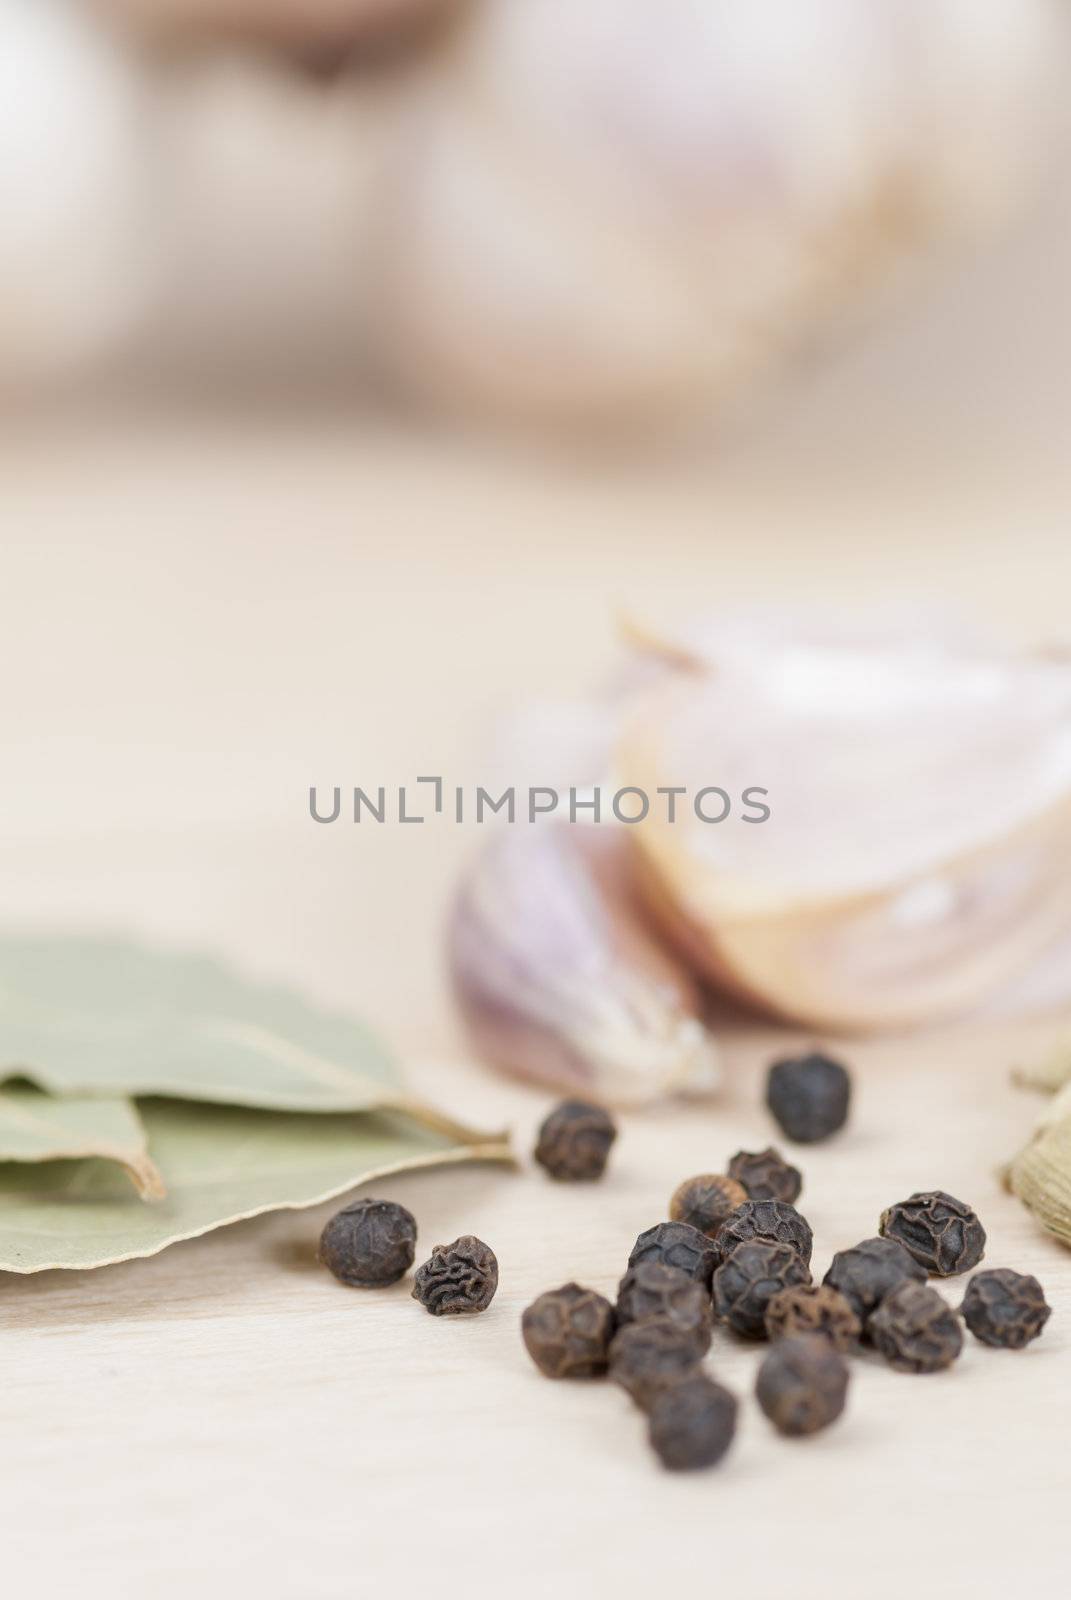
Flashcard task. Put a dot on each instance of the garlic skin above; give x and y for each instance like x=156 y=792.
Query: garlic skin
x=559 y=980
x=614 y=211
x=916 y=858
x=75 y=267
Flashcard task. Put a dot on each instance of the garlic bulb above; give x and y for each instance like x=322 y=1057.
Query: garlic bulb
x=616 y=209
x=917 y=853
x=74 y=264
x=560 y=981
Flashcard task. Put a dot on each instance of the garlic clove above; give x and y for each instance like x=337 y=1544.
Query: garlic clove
x=558 y=978
x=916 y=856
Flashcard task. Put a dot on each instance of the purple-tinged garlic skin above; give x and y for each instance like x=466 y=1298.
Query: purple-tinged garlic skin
x=559 y=979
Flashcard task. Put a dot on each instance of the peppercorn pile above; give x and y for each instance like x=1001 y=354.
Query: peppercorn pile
x=735 y=1251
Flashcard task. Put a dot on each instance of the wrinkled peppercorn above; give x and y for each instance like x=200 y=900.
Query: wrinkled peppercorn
x=574 y=1142
x=655 y=1290
x=369 y=1244
x=706 y=1202
x=809 y=1096
x=646 y=1356
x=767 y=1219
x=813 y=1308
x=567 y=1332
x=941 y=1233
x=1005 y=1308
x=766 y=1175
x=691 y=1423
x=915 y=1330
x=747 y=1281
x=457 y=1278
x=867 y=1272
x=802 y=1385
x=677 y=1244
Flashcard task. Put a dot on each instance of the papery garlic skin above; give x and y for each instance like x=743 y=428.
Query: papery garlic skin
x=560 y=981
x=615 y=210
x=917 y=856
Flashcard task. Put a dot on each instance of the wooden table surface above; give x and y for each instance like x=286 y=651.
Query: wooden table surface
x=191 y=631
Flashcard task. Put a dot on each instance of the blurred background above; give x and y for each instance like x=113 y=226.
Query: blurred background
x=361 y=360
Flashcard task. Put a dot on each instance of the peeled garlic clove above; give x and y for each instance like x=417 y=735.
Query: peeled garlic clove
x=558 y=978
x=917 y=852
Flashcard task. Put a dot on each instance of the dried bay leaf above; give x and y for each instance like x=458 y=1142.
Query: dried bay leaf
x=223 y=1164
x=38 y=1127
x=113 y=1017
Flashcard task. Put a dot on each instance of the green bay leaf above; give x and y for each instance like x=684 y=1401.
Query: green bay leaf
x=38 y=1127
x=115 y=1017
x=223 y=1164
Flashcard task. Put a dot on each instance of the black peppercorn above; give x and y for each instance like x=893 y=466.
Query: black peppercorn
x=942 y=1234
x=691 y=1423
x=766 y=1175
x=369 y=1244
x=646 y=1356
x=567 y=1332
x=655 y=1290
x=676 y=1244
x=1004 y=1308
x=867 y=1272
x=813 y=1308
x=706 y=1202
x=767 y=1219
x=574 y=1142
x=809 y=1096
x=802 y=1385
x=747 y=1281
x=915 y=1330
x=457 y=1278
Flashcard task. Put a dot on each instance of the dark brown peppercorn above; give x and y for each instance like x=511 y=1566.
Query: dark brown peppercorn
x=691 y=1423
x=915 y=1330
x=747 y=1281
x=1004 y=1308
x=574 y=1142
x=941 y=1233
x=676 y=1244
x=369 y=1244
x=706 y=1202
x=655 y=1290
x=457 y=1278
x=813 y=1308
x=646 y=1356
x=567 y=1332
x=766 y=1175
x=802 y=1385
x=809 y=1096
x=767 y=1219
x=867 y=1272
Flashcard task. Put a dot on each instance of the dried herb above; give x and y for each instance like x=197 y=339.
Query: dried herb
x=941 y=1233
x=766 y=1175
x=655 y=1290
x=567 y=1332
x=747 y=1281
x=457 y=1278
x=767 y=1219
x=813 y=1308
x=691 y=1423
x=676 y=1244
x=369 y=1244
x=646 y=1356
x=802 y=1385
x=35 y=1126
x=1005 y=1309
x=915 y=1330
x=867 y=1272
x=574 y=1142
x=809 y=1096
x=706 y=1202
